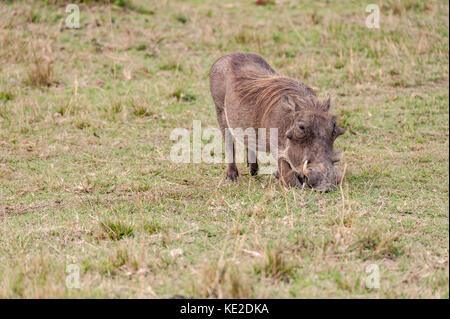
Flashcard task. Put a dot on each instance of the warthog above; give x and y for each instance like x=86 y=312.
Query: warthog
x=248 y=93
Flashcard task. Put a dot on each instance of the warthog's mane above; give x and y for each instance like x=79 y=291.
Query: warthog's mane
x=265 y=90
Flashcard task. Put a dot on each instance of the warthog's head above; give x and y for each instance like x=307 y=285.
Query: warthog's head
x=310 y=136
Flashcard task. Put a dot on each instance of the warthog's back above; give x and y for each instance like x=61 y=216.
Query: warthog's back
x=248 y=89
x=233 y=65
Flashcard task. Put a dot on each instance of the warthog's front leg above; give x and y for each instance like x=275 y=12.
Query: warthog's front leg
x=287 y=175
x=232 y=172
x=252 y=162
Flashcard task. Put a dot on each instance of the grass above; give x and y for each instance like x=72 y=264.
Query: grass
x=86 y=176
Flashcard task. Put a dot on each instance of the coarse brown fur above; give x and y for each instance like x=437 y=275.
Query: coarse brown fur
x=248 y=93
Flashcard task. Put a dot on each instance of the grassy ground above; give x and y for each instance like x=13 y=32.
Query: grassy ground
x=86 y=178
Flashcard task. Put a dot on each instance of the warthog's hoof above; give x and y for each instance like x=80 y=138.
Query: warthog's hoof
x=253 y=169
x=232 y=175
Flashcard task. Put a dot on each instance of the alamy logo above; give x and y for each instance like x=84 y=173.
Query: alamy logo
x=73 y=19
x=373 y=19
x=373 y=279
x=73 y=277
x=207 y=146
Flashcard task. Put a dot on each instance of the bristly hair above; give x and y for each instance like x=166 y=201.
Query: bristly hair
x=266 y=91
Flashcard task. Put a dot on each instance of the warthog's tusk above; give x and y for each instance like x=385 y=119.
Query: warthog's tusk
x=304 y=166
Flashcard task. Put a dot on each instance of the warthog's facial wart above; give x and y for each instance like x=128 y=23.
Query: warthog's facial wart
x=322 y=178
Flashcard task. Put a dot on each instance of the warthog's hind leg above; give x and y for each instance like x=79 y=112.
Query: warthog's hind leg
x=232 y=172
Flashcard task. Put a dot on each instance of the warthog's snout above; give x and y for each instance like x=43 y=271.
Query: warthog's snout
x=321 y=177
x=325 y=187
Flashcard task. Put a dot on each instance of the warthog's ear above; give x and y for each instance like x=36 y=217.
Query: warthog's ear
x=326 y=104
x=339 y=131
x=288 y=104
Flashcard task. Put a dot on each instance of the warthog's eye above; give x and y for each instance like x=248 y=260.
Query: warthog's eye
x=297 y=131
x=301 y=127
